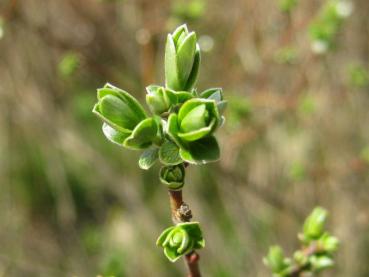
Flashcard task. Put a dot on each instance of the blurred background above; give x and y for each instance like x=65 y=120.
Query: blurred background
x=296 y=136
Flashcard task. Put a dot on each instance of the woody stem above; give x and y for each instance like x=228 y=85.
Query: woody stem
x=182 y=213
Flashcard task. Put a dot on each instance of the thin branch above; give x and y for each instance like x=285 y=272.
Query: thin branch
x=308 y=251
x=192 y=261
x=182 y=213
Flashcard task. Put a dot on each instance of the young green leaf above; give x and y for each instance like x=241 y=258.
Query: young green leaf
x=114 y=135
x=201 y=151
x=169 y=153
x=143 y=135
x=148 y=158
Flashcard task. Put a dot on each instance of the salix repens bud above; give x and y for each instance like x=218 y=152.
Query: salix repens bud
x=181 y=239
x=182 y=59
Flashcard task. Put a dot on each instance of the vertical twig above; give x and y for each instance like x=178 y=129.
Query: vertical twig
x=182 y=213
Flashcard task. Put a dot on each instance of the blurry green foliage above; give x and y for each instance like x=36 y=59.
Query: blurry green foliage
x=239 y=109
x=359 y=76
x=315 y=255
x=1 y=27
x=297 y=171
x=69 y=63
x=188 y=9
x=327 y=24
x=81 y=103
x=92 y=239
x=30 y=179
x=287 y=5
x=364 y=154
x=113 y=264
x=306 y=105
x=286 y=55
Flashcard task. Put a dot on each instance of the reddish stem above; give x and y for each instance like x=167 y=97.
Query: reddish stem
x=192 y=261
x=181 y=213
x=308 y=251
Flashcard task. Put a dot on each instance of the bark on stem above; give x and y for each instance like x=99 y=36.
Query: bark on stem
x=182 y=213
x=308 y=251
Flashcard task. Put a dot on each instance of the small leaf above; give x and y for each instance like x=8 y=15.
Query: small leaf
x=114 y=135
x=183 y=96
x=213 y=93
x=199 y=244
x=173 y=129
x=319 y=263
x=194 y=71
x=221 y=106
x=171 y=68
x=148 y=158
x=197 y=134
x=143 y=135
x=125 y=96
x=169 y=153
x=193 y=103
x=185 y=56
x=201 y=151
x=179 y=31
x=163 y=236
x=171 y=254
x=118 y=112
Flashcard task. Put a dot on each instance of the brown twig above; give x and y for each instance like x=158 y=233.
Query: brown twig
x=182 y=213
x=308 y=251
x=192 y=261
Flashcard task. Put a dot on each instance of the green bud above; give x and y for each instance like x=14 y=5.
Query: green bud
x=300 y=258
x=197 y=118
x=192 y=130
x=324 y=29
x=173 y=176
x=182 y=59
x=69 y=64
x=160 y=99
x=126 y=122
x=315 y=223
x=319 y=263
x=329 y=243
x=287 y=5
x=275 y=259
x=118 y=108
x=180 y=240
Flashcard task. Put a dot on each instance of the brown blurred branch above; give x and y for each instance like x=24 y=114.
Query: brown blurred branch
x=9 y=11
